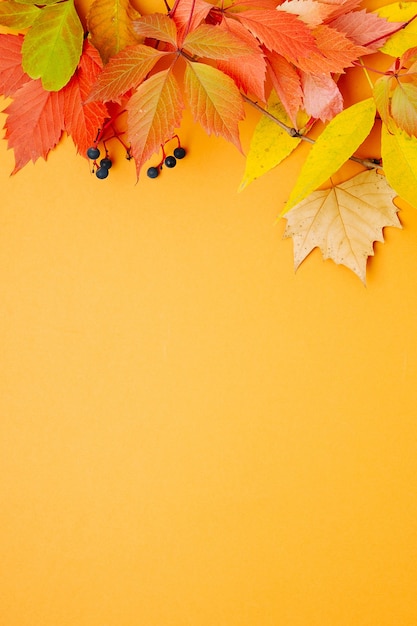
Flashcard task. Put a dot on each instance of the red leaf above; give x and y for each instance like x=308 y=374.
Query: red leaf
x=363 y=28
x=286 y=82
x=35 y=120
x=188 y=14
x=322 y=98
x=281 y=32
x=83 y=120
x=12 y=75
x=123 y=72
x=335 y=52
x=214 y=100
x=154 y=113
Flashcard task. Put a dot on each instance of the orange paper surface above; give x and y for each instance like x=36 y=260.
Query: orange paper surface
x=191 y=434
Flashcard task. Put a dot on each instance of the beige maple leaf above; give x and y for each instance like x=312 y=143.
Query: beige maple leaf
x=344 y=221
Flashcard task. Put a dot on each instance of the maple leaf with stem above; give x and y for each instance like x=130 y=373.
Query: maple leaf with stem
x=344 y=221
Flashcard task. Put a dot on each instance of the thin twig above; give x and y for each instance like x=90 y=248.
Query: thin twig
x=370 y=164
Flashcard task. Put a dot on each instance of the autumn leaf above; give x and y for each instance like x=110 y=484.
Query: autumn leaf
x=12 y=75
x=365 y=29
x=400 y=42
x=53 y=45
x=280 y=32
x=124 y=71
x=213 y=42
x=286 y=81
x=82 y=120
x=110 y=24
x=399 y=158
x=17 y=16
x=157 y=26
x=334 y=52
x=270 y=144
x=154 y=113
x=339 y=140
x=343 y=221
x=321 y=96
x=34 y=124
x=214 y=100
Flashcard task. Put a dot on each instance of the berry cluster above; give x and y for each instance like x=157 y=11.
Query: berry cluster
x=169 y=161
x=101 y=169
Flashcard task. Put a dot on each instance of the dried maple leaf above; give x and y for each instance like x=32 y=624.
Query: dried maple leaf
x=343 y=221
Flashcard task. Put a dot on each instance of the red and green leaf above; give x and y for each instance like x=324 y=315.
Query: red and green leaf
x=123 y=72
x=154 y=113
x=110 y=24
x=214 y=100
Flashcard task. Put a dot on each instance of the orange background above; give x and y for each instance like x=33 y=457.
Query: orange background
x=191 y=434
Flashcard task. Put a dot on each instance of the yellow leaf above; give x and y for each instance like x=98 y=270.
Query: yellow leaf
x=336 y=144
x=270 y=144
x=398 y=43
x=343 y=221
x=399 y=158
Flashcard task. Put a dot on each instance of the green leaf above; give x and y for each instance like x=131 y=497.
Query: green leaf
x=398 y=43
x=53 y=46
x=270 y=144
x=399 y=158
x=17 y=16
x=339 y=140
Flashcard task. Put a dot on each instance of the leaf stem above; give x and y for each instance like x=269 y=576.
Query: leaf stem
x=370 y=164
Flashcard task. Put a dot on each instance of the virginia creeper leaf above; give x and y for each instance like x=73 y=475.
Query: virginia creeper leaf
x=399 y=158
x=83 y=120
x=124 y=71
x=365 y=29
x=53 y=45
x=270 y=144
x=339 y=140
x=281 y=32
x=110 y=24
x=404 y=107
x=188 y=14
x=214 y=42
x=310 y=12
x=335 y=52
x=215 y=101
x=343 y=221
x=34 y=124
x=400 y=42
x=154 y=112
x=12 y=75
x=287 y=83
x=321 y=96
x=157 y=26
x=17 y=16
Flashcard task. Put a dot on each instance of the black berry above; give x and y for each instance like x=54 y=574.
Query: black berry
x=170 y=161
x=93 y=153
x=153 y=172
x=179 y=153
x=106 y=163
x=102 y=172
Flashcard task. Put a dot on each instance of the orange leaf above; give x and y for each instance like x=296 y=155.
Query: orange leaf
x=12 y=75
x=281 y=32
x=154 y=113
x=157 y=26
x=110 y=23
x=322 y=98
x=364 y=28
x=404 y=107
x=83 y=120
x=188 y=14
x=124 y=71
x=335 y=52
x=286 y=82
x=34 y=124
x=214 y=100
